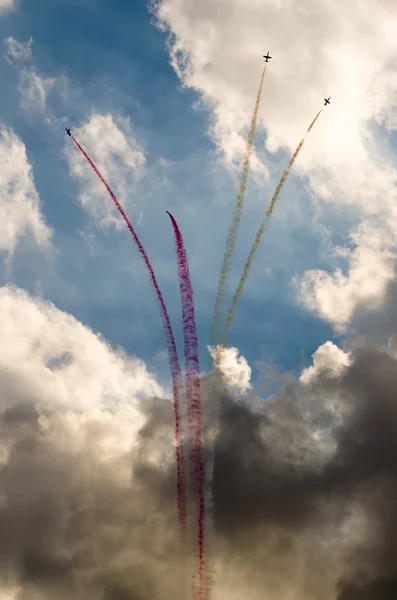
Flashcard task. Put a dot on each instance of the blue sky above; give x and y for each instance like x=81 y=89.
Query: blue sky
x=108 y=57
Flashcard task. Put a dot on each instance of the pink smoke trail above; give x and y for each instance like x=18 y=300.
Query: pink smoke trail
x=172 y=353
x=193 y=399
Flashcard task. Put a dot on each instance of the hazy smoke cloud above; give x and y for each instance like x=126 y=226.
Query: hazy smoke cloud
x=74 y=522
x=305 y=489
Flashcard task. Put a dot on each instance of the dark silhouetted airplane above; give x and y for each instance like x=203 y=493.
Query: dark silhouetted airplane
x=68 y=131
x=267 y=57
x=327 y=101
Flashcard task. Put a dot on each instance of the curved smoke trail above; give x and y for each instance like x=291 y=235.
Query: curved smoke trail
x=260 y=233
x=193 y=396
x=172 y=352
x=233 y=231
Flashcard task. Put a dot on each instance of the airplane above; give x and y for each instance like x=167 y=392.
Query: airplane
x=68 y=131
x=267 y=56
x=327 y=101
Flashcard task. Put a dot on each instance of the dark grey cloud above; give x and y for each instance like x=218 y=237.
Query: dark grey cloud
x=67 y=524
x=291 y=516
x=383 y=589
x=267 y=477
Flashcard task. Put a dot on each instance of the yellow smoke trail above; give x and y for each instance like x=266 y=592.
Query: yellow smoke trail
x=233 y=231
x=261 y=231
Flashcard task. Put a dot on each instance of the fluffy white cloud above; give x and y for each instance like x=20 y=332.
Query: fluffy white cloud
x=332 y=50
x=371 y=267
x=49 y=359
x=327 y=357
x=19 y=200
x=58 y=359
x=111 y=144
x=34 y=90
x=18 y=50
x=6 y=5
x=319 y=49
x=235 y=368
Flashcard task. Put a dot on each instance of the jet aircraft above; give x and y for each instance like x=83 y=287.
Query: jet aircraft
x=68 y=131
x=327 y=101
x=267 y=57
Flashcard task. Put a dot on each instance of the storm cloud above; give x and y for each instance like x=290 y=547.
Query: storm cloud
x=304 y=481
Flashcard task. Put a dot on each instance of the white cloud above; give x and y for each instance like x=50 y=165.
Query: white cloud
x=34 y=90
x=327 y=357
x=371 y=267
x=345 y=52
x=6 y=5
x=18 y=50
x=59 y=360
x=89 y=399
x=51 y=360
x=319 y=49
x=19 y=200
x=111 y=144
x=235 y=368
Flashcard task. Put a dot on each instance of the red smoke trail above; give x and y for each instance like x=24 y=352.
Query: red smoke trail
x=173 y=357
x=193 y=398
